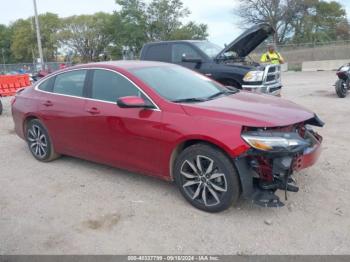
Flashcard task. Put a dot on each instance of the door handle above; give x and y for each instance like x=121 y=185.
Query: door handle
x=48 y=103
x=93 y=111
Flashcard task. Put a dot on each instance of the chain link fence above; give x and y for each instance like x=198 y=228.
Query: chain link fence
x=31 y=67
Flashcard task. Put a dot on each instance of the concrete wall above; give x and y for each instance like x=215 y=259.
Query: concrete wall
x=329 y=57
x=325 y=65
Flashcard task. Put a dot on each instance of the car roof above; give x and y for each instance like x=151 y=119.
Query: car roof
x=176 y=41
x=122 y=64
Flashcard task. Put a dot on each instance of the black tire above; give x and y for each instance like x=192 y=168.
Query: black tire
x=197 y=186
x=0 y=107
x=341 y=88
x=39 y=142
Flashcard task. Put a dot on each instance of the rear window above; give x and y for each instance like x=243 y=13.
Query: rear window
x=47 y=85
x=160 y=52
x=70 y=83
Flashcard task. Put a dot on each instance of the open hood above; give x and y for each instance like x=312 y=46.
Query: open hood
x=249 y=40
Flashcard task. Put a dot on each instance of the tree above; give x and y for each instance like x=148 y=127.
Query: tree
x=190 y=31
x=86 y=35
x=164 y=18
x=50 y=24
x=22 y=41
x=130 y=26
x=158 y=20
x=296 y=20
x=278 y=13
x=5 y=44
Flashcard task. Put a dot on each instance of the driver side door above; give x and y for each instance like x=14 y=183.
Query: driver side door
x=121 y=137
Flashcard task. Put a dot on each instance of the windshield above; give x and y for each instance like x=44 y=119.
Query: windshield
x=209 y=48
x=178 y=84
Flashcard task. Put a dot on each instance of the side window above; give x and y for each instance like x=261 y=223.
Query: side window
x=158 y=52
x=180 y=50
x=47 y=85
x=70 y=83
x=109 y=86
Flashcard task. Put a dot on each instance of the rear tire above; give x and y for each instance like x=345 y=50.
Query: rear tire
x=341 y=88
x=207 y=178
x=39 y=142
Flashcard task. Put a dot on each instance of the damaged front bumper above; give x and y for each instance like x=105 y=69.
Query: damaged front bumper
x=262 y=173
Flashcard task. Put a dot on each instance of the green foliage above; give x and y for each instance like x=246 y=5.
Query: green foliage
x=50 y=24
x=298 y=21
x=190 y=31
x=159 y=20
x=93 y=37
x=5 y=44
x=86 y=35
x=164 y=18
x=23 y=39
x=24 y=43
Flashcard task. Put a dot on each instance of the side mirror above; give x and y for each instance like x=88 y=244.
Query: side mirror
x=191 y=59
x=133 y=102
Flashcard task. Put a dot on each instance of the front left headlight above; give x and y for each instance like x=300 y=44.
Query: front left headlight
x=275 y=141
x=253 y=76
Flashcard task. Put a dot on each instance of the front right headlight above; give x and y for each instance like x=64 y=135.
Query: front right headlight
x=275 y=141
x=253 y=76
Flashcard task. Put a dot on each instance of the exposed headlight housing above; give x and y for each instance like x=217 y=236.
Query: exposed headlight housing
x=275 y=141
x=253 y=76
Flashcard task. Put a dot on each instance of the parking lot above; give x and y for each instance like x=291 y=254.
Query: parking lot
x=73 y=206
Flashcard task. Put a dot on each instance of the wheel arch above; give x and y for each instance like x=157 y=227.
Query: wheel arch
x=26 y=120
x=189 y=142
x=228 y=81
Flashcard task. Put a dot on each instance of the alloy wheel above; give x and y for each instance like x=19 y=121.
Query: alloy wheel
x=203 y=181
x=37 y=141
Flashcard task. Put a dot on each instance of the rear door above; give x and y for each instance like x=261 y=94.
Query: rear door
x=61 y=109
x=122 y=137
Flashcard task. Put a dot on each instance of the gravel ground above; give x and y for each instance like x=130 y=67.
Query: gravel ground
x=72 y=206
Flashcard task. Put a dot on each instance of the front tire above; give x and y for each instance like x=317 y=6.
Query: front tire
x=39 y=142
x=207 y=178
x=341 y=88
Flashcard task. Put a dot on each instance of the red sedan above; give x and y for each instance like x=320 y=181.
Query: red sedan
x=163 y=120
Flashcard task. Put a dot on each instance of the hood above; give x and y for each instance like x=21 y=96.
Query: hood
x=249 y=40
x=252 y=110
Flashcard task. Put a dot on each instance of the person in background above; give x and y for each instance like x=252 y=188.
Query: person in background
x=23 y=70
x=272 y=56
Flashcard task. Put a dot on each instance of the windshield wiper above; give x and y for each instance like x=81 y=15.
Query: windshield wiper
x=223 y=92
x=189 y=100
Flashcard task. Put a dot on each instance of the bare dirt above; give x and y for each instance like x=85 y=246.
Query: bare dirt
x=72 y=206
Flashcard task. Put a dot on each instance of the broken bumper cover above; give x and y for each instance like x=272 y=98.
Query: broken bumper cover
x=263 y=173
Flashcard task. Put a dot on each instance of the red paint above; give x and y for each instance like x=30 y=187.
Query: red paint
x=143 y=140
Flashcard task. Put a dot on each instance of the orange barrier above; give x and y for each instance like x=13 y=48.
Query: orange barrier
x=9 y=84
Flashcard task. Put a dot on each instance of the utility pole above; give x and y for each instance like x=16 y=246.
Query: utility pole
x=3 y=58
x=38 y=37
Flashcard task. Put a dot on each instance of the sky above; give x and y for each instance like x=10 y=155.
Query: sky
x=217 y=14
